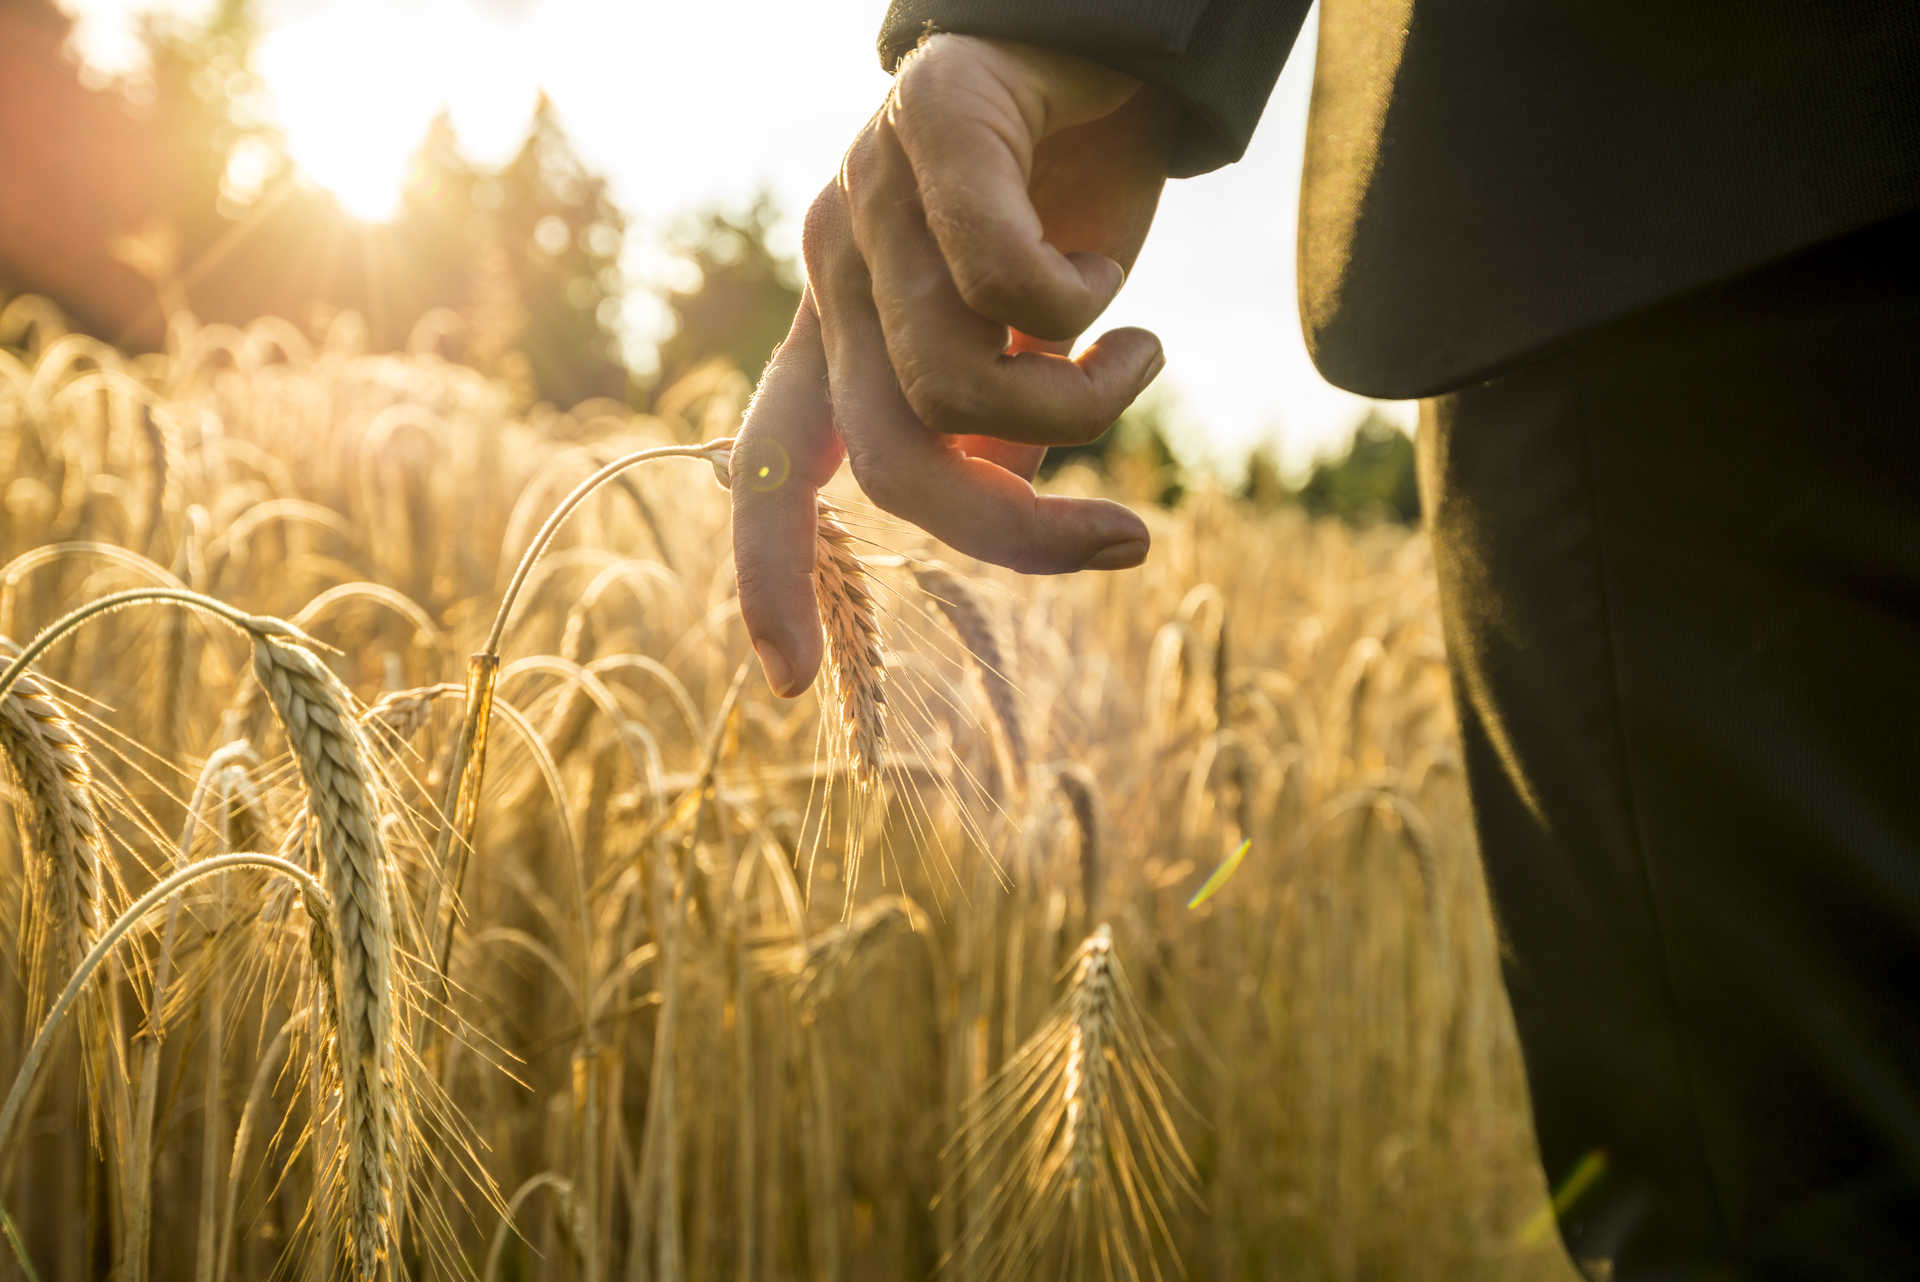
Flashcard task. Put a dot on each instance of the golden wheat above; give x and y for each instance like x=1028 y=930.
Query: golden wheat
x=645 y=1013
x=961 y=603
x=854 y=665
x=54 y=807
x=316 y=714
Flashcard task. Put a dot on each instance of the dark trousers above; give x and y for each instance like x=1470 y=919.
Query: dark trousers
x=1680 y=572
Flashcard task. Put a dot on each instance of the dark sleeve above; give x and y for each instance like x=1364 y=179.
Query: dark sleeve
x=1216 y=59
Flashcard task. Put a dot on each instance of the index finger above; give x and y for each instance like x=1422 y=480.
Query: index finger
x=786 y=450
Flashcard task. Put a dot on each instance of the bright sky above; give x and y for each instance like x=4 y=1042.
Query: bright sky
x=683 y=105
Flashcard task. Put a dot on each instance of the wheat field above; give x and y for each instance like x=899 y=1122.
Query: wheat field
x=1121 y=926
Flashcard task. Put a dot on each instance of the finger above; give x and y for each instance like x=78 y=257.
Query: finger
x=969 y=139
x=1021 y=460
x=786 y=450
x=954 y=365
x=970 y=504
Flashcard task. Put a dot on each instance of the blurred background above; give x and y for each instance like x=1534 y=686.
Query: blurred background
x=608 y=194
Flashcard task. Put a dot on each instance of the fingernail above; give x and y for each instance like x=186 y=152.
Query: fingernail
x=774 y=664
x=1158 y=363
x=1101 y=265
x=1118 y=556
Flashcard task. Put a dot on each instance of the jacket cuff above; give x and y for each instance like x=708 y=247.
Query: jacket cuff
x=1216 y=62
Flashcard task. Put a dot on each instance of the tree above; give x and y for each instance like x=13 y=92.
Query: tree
x=1134 y=454
x=744 y=300
x=562 y=234
x=1373 y=481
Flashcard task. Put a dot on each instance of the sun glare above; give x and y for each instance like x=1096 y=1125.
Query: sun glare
x=354 y=88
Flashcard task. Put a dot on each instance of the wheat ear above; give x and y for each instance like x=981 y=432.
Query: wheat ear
x=1077 y=785
x=966 y=614
x=1089 y=1039
x=331 y=755
x=54 y=807
x=1074 y=1154
x=855 y=667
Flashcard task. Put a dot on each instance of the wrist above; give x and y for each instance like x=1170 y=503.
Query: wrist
x=1051 y=89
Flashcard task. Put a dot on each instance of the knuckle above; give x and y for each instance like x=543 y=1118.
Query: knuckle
x=882 y=482
x=750 y=575
x=1084 y=427
x=989 y=284
x=823 y=233
x=930 y=66
x=942 y=399
x=860 y=172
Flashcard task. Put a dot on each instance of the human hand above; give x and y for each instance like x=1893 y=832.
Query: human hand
x=980 y=222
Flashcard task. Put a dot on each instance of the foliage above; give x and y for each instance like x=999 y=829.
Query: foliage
x=1135 y=455
x=562 y=233
x=213 y=213
x=1374 y=480
x=745 y=298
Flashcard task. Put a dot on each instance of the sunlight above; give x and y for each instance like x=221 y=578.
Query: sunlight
x=352 y=108
x=354 y=88
x=678 y=119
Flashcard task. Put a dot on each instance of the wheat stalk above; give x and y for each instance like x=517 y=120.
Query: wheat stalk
x=54 y=807
x=855 y=667
x=1073 y=1152
x=111 y=936
x=1089 y=1042
x=1076 y=784
x=964 y=611
x=332 y=759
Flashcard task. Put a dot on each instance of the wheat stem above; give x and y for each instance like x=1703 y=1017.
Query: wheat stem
x=579 y=494
x=30 y=1064
x=248 y=623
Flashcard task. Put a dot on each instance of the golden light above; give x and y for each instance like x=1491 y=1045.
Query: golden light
x=353 y=88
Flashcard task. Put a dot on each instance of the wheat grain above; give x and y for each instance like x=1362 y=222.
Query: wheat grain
x=855 y=666
x=1072 y=1153
x=964 y=611
x=1076 y=784
x=54 y=808
x=1089 y=1043
x=330 y=753
x=399 y=715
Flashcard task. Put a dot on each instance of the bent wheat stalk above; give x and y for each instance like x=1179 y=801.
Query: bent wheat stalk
x=37 y=1051
x=331 y=756
x=468 y=769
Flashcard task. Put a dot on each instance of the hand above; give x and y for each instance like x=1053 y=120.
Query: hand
x=979 y=223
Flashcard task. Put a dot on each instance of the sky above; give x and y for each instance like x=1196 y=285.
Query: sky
x=683 y=106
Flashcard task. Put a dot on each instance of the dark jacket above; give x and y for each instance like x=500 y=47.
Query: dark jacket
x=1485 y=178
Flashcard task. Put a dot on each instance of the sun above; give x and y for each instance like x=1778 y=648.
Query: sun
x=353 y=90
